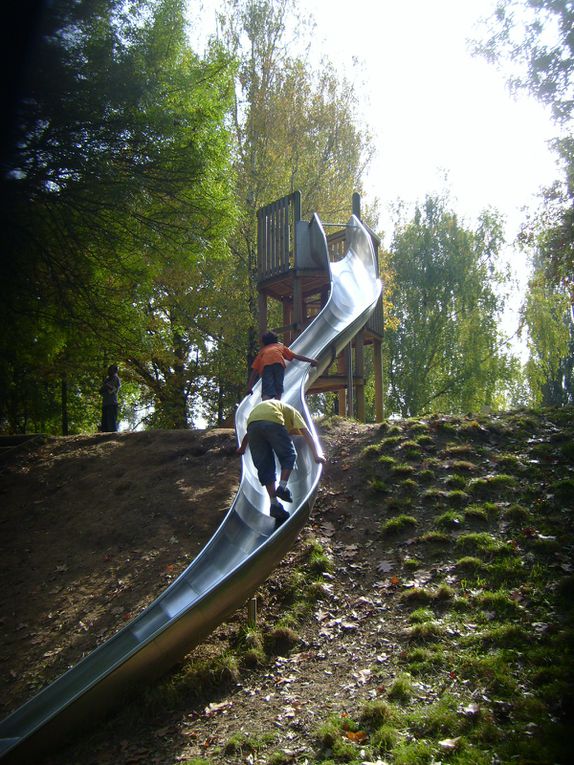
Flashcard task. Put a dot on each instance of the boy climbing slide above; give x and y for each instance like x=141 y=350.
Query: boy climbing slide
x=269 y=364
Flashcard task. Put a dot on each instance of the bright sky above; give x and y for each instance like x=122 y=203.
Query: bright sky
x=436 y=110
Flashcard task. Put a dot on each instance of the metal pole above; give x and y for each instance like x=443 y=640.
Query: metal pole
x=252 y=612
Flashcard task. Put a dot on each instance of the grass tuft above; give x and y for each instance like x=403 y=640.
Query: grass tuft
x=375 y=713
x=402 y=689
x=398 y=525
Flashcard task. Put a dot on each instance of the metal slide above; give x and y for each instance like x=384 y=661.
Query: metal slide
x=239 y=557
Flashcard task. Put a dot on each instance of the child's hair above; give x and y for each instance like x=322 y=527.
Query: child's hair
x=267 y=338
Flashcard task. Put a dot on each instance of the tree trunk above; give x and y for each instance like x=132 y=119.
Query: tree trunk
x=64 y=389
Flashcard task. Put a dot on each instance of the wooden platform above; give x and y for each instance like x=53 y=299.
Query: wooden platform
x=296 y=278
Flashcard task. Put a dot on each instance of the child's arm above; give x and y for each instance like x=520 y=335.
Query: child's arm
x=317 y=456
x=298 y=356
x=241 y=449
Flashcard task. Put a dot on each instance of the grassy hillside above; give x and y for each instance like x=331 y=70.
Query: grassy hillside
x=425 y=616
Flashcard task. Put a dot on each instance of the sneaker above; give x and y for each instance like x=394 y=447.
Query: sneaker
x=283 y=493
x=278 y=511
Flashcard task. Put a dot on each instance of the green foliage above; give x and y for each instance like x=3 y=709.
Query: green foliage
x=449 y=520
x=412 y=753
x=332 y=741
x=423 y=660
x=375 y=713
x=116 y=206
x=543 y=62
x=438 y=719
x=294 y=129
x=425 y=632
x=420 y=615
x=443 y=355
x=536 y=37
x=384 y=739
x=550 y=364
x=401 y=691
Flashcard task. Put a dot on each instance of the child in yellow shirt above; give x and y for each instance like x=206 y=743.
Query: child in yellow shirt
x=270 y=426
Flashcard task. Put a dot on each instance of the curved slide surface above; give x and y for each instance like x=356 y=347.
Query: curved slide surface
x=238 y=558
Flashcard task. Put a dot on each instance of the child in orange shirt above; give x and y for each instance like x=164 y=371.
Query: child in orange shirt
x=269 y=364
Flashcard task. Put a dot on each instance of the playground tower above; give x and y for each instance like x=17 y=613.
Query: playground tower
x=291 y=270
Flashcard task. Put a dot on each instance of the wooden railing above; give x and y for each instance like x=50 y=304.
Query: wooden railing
x=276 y=246
x=276 y=236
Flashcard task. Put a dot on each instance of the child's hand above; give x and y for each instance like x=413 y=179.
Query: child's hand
x=248 y=392
x=320 y=460
x=240 y=450
x=314 y=363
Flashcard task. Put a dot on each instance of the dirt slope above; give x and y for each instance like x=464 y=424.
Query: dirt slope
x=93 y=528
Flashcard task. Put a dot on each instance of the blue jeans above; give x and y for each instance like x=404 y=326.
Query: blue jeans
x=267 y=439
x=272 y=380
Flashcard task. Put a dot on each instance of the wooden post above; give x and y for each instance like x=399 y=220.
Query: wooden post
x=378 y=368
x=360 y=374
x=341 y=395
x=288 y=320
x=297 y=304
x=350 y=381
x=262 y=312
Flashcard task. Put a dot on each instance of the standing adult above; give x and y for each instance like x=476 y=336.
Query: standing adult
x=109 y=391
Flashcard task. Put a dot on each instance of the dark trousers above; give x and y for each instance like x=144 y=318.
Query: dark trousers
x=272 y=380
x=267 y=439
x=109 y=418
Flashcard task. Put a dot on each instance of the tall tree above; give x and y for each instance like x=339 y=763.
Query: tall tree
x=117 y=173
x=547 y=316
x=444 y=354
x=534 y=38
x=295 y=129
x=535 y=41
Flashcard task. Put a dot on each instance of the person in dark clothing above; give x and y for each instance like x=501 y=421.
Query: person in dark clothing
x=269 y=364
x=109 y=391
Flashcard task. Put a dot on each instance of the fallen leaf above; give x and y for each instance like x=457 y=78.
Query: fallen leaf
x=449 y=743
x=385 y=566
x=357 y=736
x=362 y=676
x=215 y=709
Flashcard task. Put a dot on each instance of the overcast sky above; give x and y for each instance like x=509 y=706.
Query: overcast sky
x=436 y=110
